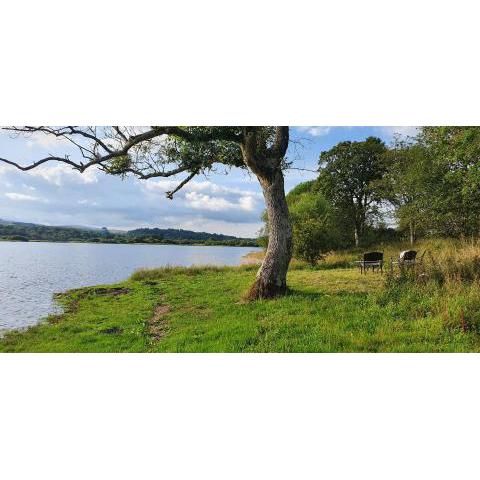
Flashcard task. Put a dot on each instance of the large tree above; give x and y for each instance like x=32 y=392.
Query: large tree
x=160 y=151
x=349 y=177
x=454 y=195
x=408 y=184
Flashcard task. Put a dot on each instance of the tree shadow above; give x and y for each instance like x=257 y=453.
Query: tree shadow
x=293 y=292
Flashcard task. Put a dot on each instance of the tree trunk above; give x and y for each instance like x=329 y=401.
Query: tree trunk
x=356 y=236
x=412 y=233
x=271 y=280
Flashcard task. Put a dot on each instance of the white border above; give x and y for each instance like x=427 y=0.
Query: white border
x=341 y=62
x=239 y=416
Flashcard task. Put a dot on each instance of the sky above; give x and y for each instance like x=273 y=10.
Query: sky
x=228 y=202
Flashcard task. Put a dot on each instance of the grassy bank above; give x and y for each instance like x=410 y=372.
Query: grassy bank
x=201 y=310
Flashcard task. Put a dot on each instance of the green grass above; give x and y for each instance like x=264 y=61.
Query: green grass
x=201 y=310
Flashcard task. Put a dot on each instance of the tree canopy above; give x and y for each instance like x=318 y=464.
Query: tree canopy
x=349 y=177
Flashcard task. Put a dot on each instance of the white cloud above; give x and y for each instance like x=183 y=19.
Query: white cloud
x=206 y=186
x=157 y=186
x=61 y=173
x=247 y=203
x=90 y=203
x=202 y=201
x=208 y=196
x=46 y=141
x=403 y=131
x=21 y=197
x=315 y=131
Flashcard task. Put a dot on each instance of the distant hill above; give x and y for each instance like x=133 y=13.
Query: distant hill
x=20 y=231
x=178 y=234
x=10 y=222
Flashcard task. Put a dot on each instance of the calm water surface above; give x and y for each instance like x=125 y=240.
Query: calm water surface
x=30 y=273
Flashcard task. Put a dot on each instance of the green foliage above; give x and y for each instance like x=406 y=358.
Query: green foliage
x=350 y=175
x=314 y=230
x=313 y=223
x=119 y=165
x=453 y=183
x=205 y=147
x=407 y=185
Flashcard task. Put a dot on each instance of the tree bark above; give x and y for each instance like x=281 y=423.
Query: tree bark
x=265 y=161
x=271 y=280
x=412 y=233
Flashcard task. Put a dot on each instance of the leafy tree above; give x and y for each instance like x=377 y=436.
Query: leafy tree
x=167 y=151
x=349 y=177
x=407 y=184
x=313 y=226
x=454 y=189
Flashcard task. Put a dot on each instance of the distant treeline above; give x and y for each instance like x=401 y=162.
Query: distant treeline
x=31 y=232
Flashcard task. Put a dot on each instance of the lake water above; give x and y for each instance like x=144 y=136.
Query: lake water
x=31 y=272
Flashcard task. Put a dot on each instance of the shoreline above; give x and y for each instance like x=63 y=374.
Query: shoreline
x=129 y=243
x=181 y=310
x=57 y=308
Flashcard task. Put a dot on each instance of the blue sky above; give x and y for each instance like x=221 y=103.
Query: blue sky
x=224 y=202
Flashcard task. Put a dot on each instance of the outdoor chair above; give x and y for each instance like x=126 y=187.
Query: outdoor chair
x=407 y=257
x=371 y=260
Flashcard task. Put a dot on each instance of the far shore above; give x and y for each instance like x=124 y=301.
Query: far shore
x=131 y=243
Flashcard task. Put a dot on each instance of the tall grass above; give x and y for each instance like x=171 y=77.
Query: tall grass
x=443 y=263
x=446 y=283
x=147 y=274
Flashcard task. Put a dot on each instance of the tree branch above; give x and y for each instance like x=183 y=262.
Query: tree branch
x=40 y=162
x=97 y=151
x=280 y=145
x=180 y=185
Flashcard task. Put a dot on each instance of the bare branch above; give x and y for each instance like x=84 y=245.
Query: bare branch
x=40 y=162
x=64 y=132
x=180 y=185
x=117 y=129
x=146 y=176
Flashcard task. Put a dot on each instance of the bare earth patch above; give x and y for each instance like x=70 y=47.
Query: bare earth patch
x=157 y=326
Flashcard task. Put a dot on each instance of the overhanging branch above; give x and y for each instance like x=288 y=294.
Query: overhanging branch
x=180 y=185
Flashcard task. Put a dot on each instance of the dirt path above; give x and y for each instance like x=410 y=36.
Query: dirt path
x=157 y=325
